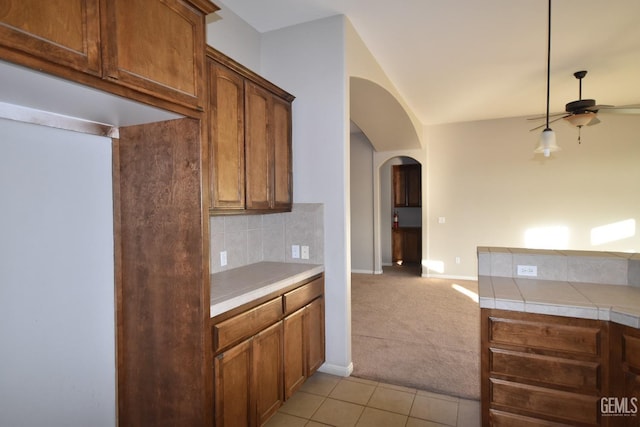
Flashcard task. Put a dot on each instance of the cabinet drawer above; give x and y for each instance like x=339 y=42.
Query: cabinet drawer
x=246 y=324
x=545 y=335
x=505 y=419
x=303 y=295
x=564 y=406
x=579 y=375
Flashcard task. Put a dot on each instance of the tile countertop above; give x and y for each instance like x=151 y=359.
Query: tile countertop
x=232 y=288
x=616 y=303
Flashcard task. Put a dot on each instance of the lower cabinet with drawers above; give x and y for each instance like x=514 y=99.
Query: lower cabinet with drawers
x=542 y=370
x=264 y=351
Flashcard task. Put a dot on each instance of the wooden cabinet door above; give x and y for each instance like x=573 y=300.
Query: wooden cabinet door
x=267 y=372
x=226 y=137
x=281 y=128
x=413 y=179
x=399 y=186
x=315 y=338
x=295 y=363
x=65 y=32
x=157 y=47
x=397 y=242
x=412 y=245
x=233 y=387
x=258 y=148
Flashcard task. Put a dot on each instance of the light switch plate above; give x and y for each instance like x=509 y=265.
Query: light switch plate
x=223 y=258
x=295 y=251
x=304 y=254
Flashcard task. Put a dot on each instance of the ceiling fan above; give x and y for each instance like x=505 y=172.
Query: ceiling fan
x=583 y=112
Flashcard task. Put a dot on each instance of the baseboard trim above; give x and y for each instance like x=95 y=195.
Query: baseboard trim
x=355 y=270
x=341 y=371
x=445 y=276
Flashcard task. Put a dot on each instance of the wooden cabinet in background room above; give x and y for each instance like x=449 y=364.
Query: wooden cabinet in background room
x=407 y=245
x=250 y=140
x=407 y=185
x=114 y=45
x=625 y=366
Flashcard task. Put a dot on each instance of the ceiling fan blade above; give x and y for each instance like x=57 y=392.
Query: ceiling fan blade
x=550 y=121
x=544 y=116
x=623 y=109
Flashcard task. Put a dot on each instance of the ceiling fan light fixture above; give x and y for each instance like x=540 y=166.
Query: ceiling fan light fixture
x=547 y=144
x=581 y=119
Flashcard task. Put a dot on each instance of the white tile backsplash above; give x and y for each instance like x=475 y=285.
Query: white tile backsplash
x=253 y=238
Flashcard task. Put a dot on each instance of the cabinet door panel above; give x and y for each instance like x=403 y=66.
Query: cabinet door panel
x=258 y=148
x=295 y=366
x=282 y=153
x=66 y=32
x=156 y=47
x=267 y=372
x=226 y=136
x=232 y=372
x=314 y=319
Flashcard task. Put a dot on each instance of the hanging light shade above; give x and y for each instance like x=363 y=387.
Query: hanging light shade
x=581 y=119
x=547 y=143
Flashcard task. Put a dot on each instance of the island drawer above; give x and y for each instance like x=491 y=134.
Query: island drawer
x=246 y=324
x=545 y=333
x=303 y=295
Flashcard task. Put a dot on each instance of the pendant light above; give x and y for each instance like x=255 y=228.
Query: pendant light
x=547 y=143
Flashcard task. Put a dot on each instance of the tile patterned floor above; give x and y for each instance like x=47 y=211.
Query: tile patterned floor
x=327 y=400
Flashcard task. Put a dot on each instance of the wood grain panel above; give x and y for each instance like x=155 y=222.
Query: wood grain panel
x=295 y=363
x=258 y=148
x=283 y=179
x=163 y=282
x=246 y=324
x=268 y=372
x=545 y=335
x=300 y=297
x=226 y=137
x=233 y=387
x=631 y=352
x=65 y=32
x=554 y=371
x=559 y=405
x=315 y=339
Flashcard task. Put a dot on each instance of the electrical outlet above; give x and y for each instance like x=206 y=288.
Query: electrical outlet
x=527 y=270
x=295 y=251
x=457 y=260
x=304 y=254
x=223 y=258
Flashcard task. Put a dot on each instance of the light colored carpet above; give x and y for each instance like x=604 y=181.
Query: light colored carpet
x=416 y=332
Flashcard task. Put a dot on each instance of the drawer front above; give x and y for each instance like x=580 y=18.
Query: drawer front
x=505 y=419
x=246 y=324
x=546 y=336
x=554 y=371
x=303 y=295
x=560 y=405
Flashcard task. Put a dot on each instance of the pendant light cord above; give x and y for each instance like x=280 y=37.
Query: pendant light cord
x=548 y=62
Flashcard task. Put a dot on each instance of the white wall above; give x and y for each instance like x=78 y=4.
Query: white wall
x=231 y=35
x=57 y=334
x=492 y=190
x=308 y=60
x=362 y=236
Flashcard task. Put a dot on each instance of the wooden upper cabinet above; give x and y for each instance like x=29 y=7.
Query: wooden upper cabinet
x=65 y=32
x=157 y=47
x=407 y=185
x=250 y=140
x=226 y=137
x=147 y=50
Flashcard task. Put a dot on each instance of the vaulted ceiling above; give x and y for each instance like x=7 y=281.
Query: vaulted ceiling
x=465 y=60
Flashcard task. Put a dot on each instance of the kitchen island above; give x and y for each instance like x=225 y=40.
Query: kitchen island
x=560 y=337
